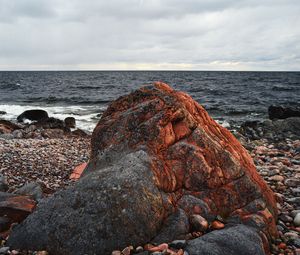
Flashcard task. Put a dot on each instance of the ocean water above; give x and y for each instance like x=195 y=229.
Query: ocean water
x=229 y=97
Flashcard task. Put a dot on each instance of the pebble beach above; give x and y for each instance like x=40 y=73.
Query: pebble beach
x=49 y=161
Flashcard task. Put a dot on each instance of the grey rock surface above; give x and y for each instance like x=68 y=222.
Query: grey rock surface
x=235 y=240
x=98 y=214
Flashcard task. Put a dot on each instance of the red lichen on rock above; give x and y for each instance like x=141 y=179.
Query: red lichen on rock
x=75 y=175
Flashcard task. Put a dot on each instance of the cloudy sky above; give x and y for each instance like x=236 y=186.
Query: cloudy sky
x=150 y=34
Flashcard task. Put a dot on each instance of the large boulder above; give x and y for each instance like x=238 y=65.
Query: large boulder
x=34 y=115
x=156 y=159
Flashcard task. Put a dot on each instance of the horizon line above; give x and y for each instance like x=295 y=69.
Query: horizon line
x=140 y=70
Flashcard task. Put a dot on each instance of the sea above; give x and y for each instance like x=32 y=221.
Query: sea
x=229 y=97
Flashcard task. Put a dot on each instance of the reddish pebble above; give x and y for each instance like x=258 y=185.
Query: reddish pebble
x=161 y=247
x=127 y=250
x=282 y=246
x=217 y=225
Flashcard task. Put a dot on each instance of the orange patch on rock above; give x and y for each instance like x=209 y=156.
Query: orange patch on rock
x=77 y=172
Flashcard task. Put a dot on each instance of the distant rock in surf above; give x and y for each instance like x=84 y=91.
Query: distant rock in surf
x=70 y=122
x=33 y=115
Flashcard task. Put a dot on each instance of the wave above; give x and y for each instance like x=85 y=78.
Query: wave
x=65 y=100
x=280 y=88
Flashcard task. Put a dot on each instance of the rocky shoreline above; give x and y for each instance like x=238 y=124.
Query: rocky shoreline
x=276 y=157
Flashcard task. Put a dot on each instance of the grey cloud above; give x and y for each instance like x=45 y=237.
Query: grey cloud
x=193 y=34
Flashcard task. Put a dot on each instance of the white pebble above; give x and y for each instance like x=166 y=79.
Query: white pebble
x=297 y=220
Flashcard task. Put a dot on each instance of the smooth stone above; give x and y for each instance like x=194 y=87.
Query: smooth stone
x=297 y=220
x=3 y=183
x=178 y=244
x=292 y=182
x=294 y=213
x=217 y=225
x=235 y=240
x=4 y=250
x=285 y=218
x=116 y=253
x=295 y=242
x=277 y=178
x=198 y=223
x=32 y=189
x=295 y=200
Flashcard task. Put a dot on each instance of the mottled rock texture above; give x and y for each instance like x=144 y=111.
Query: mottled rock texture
x=156 y=157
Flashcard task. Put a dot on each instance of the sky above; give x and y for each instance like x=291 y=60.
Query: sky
x=262 y=35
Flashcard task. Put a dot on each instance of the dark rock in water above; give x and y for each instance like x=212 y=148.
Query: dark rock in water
x=281 y=112
x=70 y=122
x=32 y=189
x=3 y=183
x=34 y=115
x=15 y=207
x=151 y=152
x=7 y=127
x=2 y=112
x=235 y=240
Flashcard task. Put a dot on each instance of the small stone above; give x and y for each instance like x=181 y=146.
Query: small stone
x=277 y=178
x=198 y=223
x=282 y=246
x=295 y=242
x=4 y=250
x=178 y=244
x=161 y=247
x=292 y=182
x=127 y=250
x=291 y=235
x=139 y=249
x=297 y=220
x=116 y=253
x=285 y=218
x=217 y=225
x=42 y=253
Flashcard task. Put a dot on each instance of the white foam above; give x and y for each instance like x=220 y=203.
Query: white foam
x=86 y=116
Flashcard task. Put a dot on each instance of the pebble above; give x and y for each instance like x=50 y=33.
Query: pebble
x=297 y=220
x=217 y=225
x=116 y=253
x=178 y=244
x=198 y=223
x=277 y=178
x=4 y=250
